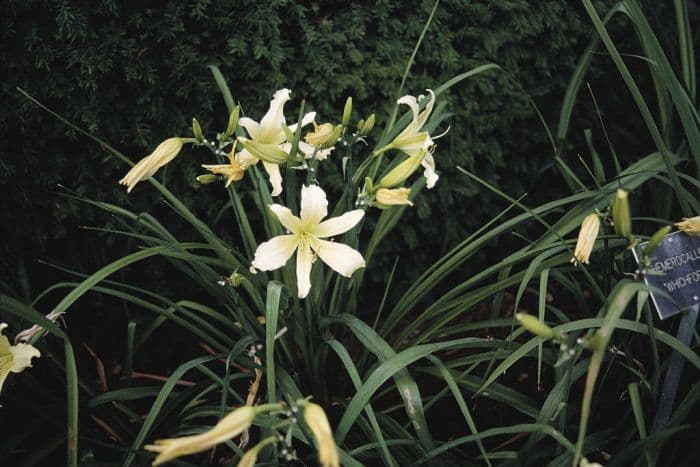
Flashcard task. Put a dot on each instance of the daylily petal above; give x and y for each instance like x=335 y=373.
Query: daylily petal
x=341 y=258
x=305 y=260
x=246 y=159
x=251 y=126
x=286 y=218
x=337 y=225
x=412 y=102
x=22 y=355
x=305 y=120
x=271 y=123
x=273 y=171
x=275 y=252
x=314 y=205
x=431 y=177
x=423 y=117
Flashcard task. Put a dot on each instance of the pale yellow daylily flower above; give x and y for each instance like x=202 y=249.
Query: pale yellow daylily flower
x=306 y=232
x=412 y=140
x=586 y=239
x=691 y=226
x=393 y=197
x=269 y=132
x=14 y=358
x=149 y=165
x=316 y=420
x=232 y=171
x=228 y=427
x=251 y=456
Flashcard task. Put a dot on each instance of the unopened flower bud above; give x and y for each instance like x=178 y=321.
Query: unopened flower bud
x=586 y=239
x=206 y=179
x=232 y=122
x=386 y=197
x=347 y=111
x=316 y=420
x=656 y=239
x=235 y=279
x=197 y=130
x=366 y=127
x=534 y=325
x=401 y=172
x=622 y=222
x=267 y=152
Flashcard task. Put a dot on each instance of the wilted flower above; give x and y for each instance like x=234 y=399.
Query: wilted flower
x=14 y=358
x=305 y=238
x=316 y=420
x=228 y=427
x=690 y=226
x=386 y=197
x=267 y=138
x=149 y=165
x=232 y=171
x=324 y=135
x=586 y=239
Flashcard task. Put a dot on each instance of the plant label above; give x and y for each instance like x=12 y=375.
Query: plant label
x=674 y=270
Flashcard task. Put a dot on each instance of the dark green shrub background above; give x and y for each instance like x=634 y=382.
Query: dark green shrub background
x=135 y=75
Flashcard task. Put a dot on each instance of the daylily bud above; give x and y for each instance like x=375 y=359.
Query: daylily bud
x=656 y=239
x=392 y=197
x=197 y=130
x=232 y=122
x=366 y=127
x=622 y=221
x=228 y=427
x=401 y=172
x=690 y=226
x=347 y=111
x=316 y=420
x=586 y=239
x=324 y=136
x=235 y=279
x=266 y=152
x=251 y=456
x=206 y=179
x=534 y=325
x=149 y=165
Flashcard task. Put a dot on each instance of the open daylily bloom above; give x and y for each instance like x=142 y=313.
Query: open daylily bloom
x=412 y=140
x=316 y=420
x=232 y=171
x=306 y=234
x=691 y=226
x=269 y=132
x=586 y=239
x=14 y=358
x=149 y=165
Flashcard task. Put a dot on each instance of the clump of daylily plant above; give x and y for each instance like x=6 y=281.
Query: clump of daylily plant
x=245 y=142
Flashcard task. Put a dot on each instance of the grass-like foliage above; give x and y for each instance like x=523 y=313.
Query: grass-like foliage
x=547 y=354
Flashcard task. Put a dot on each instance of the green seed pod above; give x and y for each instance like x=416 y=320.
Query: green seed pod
x=347 y=111
x=656 y=239
x=622 y=222
x=367 y=126
x=197 y=130
x=206 y=179
x=534 y=325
